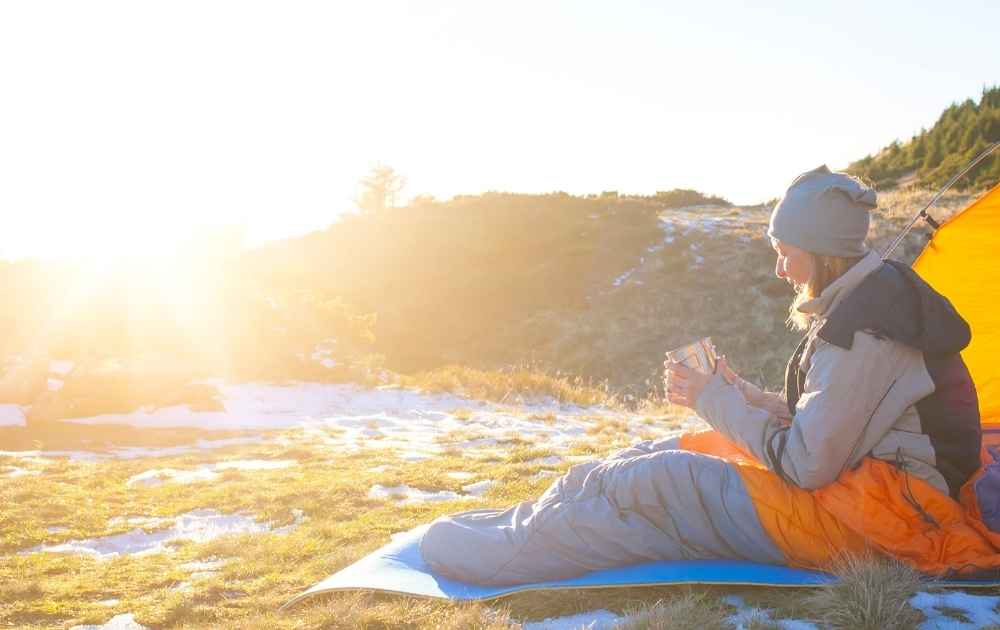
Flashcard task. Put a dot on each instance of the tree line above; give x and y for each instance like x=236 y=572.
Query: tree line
x=934 y=155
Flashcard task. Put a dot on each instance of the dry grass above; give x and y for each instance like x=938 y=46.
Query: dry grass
x=512 y=385
x=53 y=591
x=344 y=524
x=873 y=594
x=687 y=611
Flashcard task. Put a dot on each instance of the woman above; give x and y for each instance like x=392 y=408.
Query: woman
x=878 y=421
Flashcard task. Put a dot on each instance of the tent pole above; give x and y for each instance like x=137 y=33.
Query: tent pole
x=923 y=213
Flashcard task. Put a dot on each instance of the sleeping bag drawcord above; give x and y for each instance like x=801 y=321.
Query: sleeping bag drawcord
x=901 y=464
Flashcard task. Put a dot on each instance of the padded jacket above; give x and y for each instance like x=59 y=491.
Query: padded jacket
x=878 y=374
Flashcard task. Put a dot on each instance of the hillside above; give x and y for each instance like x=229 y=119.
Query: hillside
x=932 y=156
x=595 y=288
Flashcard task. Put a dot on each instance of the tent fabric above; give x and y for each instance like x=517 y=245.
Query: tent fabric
x=398 y=568
x=961 y=262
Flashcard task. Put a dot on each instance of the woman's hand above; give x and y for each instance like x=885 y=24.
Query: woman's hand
x=722 y=367
x=683 y=384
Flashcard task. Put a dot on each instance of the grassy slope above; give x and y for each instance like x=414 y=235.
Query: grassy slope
x=343 y=523
x=265 y=570
x=482 y=282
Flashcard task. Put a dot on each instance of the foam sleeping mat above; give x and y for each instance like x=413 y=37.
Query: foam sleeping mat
x=399 y=568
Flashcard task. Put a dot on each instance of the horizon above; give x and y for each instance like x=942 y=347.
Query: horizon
x=133 y=123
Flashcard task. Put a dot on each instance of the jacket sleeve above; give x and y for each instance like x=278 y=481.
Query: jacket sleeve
x=832 y=428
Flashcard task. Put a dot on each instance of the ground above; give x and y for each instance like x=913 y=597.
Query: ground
x=131 y=523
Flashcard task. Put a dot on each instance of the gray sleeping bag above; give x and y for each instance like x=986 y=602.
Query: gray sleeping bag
x=646 y=503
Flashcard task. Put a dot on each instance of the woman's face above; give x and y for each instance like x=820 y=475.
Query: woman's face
x=794 y=265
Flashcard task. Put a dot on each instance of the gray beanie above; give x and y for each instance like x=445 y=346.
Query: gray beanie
x=824 y=213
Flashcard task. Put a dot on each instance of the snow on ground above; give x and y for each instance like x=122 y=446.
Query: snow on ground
x=625 y=276
x=593 y=620
x=752 y=617
x=705 y=219
x=14 y=471
x=409 y=495
x=133 y=452
x=207 y=472
x=550 y=460
x=980 y=610
x=421 y=433
x=347 y=418
x=118 y=622
x=12 y=416
x=267 y=406
x=198 y=525
x=479 y=488
x=159 y=476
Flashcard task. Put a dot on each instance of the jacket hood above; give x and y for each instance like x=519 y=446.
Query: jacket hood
x=895 y=302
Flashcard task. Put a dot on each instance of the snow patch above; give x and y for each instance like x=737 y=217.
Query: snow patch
x=406 y=494
x=592 y=620
x=204 y=473
x=118 y=622
x=550 y=460
x=159 y=476
x=14 y=471
x=198 y=525
x=135 y=452
x=752 y=617
x=704 y=219
x=979 y=609
x=479 y=488
x=266 y=406
x=461 y=476
x=416 y=456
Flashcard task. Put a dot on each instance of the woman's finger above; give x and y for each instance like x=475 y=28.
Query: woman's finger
x=678 y=378
x=681 y=369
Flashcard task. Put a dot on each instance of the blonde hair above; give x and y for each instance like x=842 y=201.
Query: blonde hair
x=826 y=269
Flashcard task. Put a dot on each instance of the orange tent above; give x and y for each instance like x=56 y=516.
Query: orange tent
x=962 y=262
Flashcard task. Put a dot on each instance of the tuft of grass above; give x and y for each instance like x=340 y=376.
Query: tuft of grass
x=872 y=594
x=688 y=611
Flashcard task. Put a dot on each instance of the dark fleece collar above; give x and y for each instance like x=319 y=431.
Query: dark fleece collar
x=895 y=302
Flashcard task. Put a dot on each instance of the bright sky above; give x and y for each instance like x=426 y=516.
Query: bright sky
x=137 y=122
